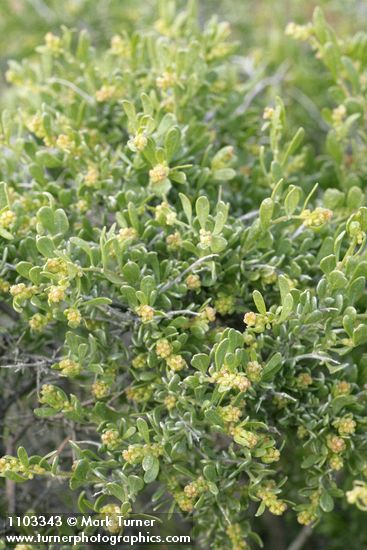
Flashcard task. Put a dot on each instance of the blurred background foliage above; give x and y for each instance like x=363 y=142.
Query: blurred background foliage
x=258 y=26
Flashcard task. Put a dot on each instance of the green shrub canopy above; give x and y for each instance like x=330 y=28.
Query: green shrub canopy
x=191 y=298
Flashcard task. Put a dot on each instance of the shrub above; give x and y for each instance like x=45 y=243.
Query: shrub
x=192 y=301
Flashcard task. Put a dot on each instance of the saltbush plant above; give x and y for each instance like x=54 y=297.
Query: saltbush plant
x=192 y=299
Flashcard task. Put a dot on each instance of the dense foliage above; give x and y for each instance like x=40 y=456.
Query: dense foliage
x=183 y=278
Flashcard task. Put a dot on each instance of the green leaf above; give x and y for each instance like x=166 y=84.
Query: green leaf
x=337 y=279
x=131 y=272
x=284 y=287
x=23 y=269
x=135 y=484
x=61 y=221
x=186 y=205
x=214 y=418
x=292 y=199
x=46 y=247
x=266 y=212
x=294 y=144
x=95 y=302
x=210 y=472
x=130 y=295
x=46 y=216
x=200 y=361
x=272 y=367
x=259 y=302
x=328 y=263
x=220 y=352
x=4 y=199
x=148 y=462
x=220 y=218
x=172 y=142
x=23 y=457
x=218 y=244
x=360 y=335
x=151 y=474
x=326 y=502
x=202 y=208
x=5 y=234
x=287 y=307
x=143 y=429
x=341 y=401
x=224 y=174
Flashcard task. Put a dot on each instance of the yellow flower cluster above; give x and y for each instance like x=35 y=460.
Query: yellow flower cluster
x=112 y=511
x=57 y=266
x=272 y=455
x=193 y=282
x=7 y=218
x=158 y=173
x=256 y=321
x=254 y=371
x=91 y=177
x=298 y=32
x=11 y=464
x=111 y=438
x=304 y=379
x=176 y=362
x=4 y=286
x=345 y=425
x=174 y=241
x=230 y=413
x=140 y=361
x=341 y=388
x=224 y=304
x=119 y=46
x=38 y=322
x=134 y=454
x=336 y=463
x=271 y=501
x=231 y=380
x=195 y=488
x=127 y=233
x=22 y=292
x=184 y=502
x=145 y=312
x=56 y=294
x=51 y=396
x=206 y=238
x=73 y=316
x=139 y=394
x=53 y=42
x=317 y=217
x=105 y=93
x=307 y=516
x=243 y=437
x=163 y=348
x=138 y=142
x=69 y=367
x=358 y=495
x=208 y=314
x=100 y=390
x=65 y=143
x=166 y=80
x=336 y=444
x=236 y=537
x=170 y=402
